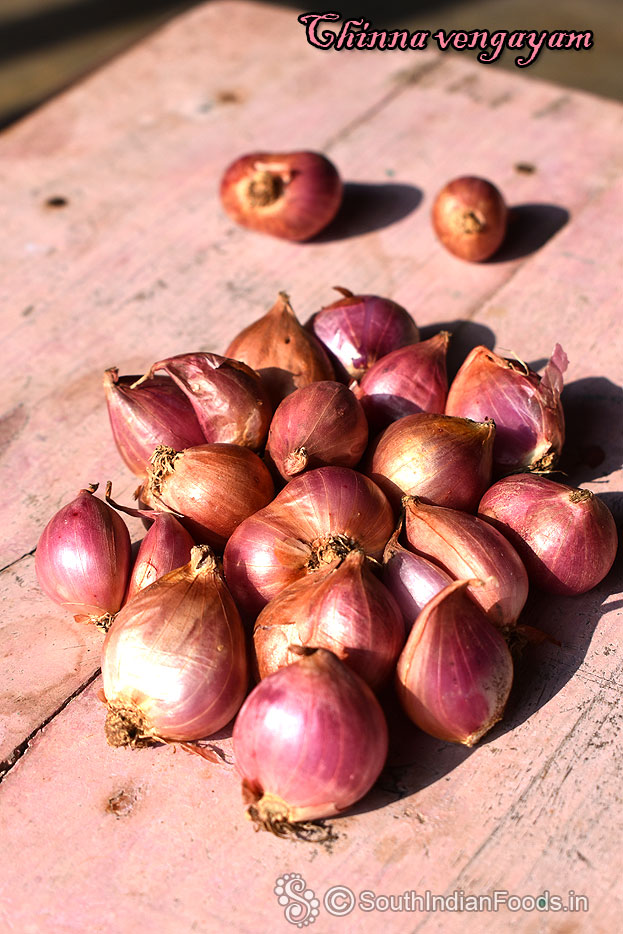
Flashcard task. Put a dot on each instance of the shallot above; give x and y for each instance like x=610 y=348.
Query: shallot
x=309 y=741
x=174 y=663
x=82 y=560
x=455 y=672
x=292 y=195
x=566 y=536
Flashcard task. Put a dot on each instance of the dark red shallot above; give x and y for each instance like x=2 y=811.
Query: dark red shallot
x=345 y=609
x=360 y=329
x=412 y=579
x=316 y=426
x=291 y=195
x=470 y=216
x=166 y=546
x=408 y=380
x=468 y=547
x=443 y=460
x=213 y=486
x=285 y=355
x=227 y=396
x=141 y=418
x=526 y=407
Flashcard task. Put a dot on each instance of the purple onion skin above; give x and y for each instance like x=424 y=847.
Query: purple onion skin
x=309 y=741
x=318 y=425
x=566 y=537
x=526 y=408
x=154 y=413
x=440 y=459
x=455 y=672
x=413 y=581
x=345 y=609
x=228 y=397
x=467 y=547
x=83 y=558
x=358 y=330
x=166 y=546
x=274 y=547
x=408 y=380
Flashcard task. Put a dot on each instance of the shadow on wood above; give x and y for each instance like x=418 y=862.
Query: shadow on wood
x=593 y=409
x=530 y=226
x=465 y=336
x=370 y=206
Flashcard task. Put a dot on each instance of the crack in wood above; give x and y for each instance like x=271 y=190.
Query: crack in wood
x=511 y=814
x=17 y=560
x=404 y=82
x=8 y=764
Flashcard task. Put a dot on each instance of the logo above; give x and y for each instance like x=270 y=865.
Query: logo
x=300 y=905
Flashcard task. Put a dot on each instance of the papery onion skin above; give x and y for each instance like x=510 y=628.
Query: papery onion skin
x=345 y=609
x=443 y=460
x=412 y=579
x=408 y=380
x=154 y=413
x=228 y=397
x=566 y=537
x=455 y=672
x=213 y=486
x=83 y=558
x=165 y=547
x=468 y=547
x=285 y=355
x=470 y=217
x=291 y=195
x=309 y=741
x=174 y=662
x=318 y=425
x=526 y=408
x=360 y=329
x=318 y=516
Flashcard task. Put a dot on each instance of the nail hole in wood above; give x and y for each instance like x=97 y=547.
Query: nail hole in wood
x=56 y=201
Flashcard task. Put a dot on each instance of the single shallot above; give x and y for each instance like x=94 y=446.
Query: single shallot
x=174 y=663
x=309 y=741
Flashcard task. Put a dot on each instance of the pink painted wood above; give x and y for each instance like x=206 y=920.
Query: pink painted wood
x=139 y=264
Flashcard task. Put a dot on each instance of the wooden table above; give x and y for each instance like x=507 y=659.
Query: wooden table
x=115 y=252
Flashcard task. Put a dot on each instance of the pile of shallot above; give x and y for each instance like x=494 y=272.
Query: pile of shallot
x=326 y=518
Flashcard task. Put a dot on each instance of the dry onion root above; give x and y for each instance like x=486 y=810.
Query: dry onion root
x=319 y=516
